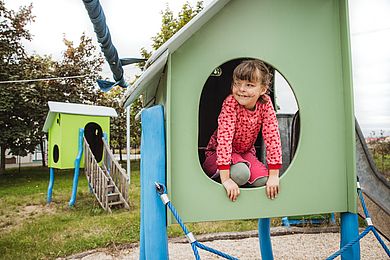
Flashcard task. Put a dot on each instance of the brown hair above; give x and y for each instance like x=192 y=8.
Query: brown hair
x=253 y=71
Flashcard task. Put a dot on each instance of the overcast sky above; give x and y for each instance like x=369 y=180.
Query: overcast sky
x=133 y=23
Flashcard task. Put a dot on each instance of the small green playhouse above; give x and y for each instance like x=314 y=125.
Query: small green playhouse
x=65 y=124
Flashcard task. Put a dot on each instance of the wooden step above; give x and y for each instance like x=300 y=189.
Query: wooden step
x=113 y=197
x=110 y=189
x=116 y=203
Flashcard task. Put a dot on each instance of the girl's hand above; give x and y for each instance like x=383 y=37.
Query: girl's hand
x=272 y=188
x=232 y=189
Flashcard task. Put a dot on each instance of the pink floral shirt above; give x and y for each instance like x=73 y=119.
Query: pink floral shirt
x=238 y=129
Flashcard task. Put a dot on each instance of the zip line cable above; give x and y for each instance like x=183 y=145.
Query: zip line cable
x=45 y=79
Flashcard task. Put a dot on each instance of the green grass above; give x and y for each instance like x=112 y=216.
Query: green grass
x=56 y=230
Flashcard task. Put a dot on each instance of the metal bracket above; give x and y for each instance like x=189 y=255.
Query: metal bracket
x=164 y=198
x=190 y=237
x=369 y=222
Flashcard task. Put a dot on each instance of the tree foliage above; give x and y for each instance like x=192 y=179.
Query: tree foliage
x=171 y=25
x=13 y=121
x=23 y=105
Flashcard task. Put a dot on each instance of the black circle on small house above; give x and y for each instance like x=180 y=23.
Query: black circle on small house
x=56 y=153
x=93 y=134
x=218 y=87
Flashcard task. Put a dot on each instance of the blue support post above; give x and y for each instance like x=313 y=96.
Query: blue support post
x=349 y=226
x=51 y=184
x=153 y=237
x=332 y=219
x=77 y=168
x=285 y=222
x=265 y=239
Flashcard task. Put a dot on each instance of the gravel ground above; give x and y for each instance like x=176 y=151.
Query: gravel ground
x=293 y=246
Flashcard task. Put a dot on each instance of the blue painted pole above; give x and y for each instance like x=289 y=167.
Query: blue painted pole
x=154 y=240
x=332 y=219
x=349 y=229
x=51 y=184
x=77 y=168
x=265 y=239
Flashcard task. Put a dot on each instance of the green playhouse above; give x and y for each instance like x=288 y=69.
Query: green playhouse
x=63 y=123
x=305 y=41
x=67 y=124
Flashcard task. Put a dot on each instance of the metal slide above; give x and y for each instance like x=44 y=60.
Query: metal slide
x=376 y=188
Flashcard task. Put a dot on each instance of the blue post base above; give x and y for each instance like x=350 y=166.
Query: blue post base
x=153 y=230
x=51 y=185
x=349 y=226
x=265 y=239
x=77 y=168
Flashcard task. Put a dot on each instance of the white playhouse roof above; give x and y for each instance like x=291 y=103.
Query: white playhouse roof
x=75 y=109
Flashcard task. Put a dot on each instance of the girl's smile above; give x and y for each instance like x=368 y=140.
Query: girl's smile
x=247 y=93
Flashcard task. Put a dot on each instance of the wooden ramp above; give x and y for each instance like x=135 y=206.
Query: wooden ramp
x=108 y=181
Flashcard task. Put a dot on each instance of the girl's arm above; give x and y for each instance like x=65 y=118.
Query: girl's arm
x=273 y=144
x=272 y=186
x=225 y=133
x=232 y=189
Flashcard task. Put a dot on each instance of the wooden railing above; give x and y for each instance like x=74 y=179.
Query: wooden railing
x=117 y=173
x=106 y=179
x=97 y=178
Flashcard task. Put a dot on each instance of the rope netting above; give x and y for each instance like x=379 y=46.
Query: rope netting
x=369 y=228
x=161 y=190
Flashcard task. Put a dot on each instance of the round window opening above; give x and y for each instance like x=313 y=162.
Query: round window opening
x=239 y=122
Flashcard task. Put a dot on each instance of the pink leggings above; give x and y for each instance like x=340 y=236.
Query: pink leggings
x=257 y=169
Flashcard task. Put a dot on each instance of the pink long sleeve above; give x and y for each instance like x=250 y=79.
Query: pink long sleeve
x=225 y=133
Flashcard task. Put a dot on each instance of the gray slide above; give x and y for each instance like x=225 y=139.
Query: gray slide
x=376 y=189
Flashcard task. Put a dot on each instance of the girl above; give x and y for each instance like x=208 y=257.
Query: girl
x=230 y=153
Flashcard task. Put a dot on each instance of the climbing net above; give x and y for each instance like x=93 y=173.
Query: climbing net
x=161 y=190
x=370 y=227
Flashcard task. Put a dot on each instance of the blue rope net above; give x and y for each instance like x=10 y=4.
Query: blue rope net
x=365 y=232
x=161 y=190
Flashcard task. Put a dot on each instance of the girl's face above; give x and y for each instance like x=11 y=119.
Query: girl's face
x=247 y=93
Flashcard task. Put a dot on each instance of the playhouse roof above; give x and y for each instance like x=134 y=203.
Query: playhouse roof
x=75 y=109
x=156 y=63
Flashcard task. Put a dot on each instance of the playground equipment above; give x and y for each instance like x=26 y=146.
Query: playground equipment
x=308 y=43
x=316 y=64
x=375 y=188
x=76 y=130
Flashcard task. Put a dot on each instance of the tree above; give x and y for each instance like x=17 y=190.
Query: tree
x=81 y=60
x=24 y=105
x=35 y=97
x=169 y=26
x=12 y=32
x=77 y=60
